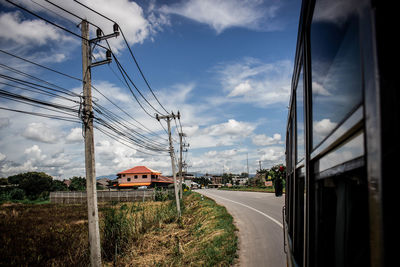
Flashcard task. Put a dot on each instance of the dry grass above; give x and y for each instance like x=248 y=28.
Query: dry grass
x=204 y=236
x=43 y=235
x=56 y=235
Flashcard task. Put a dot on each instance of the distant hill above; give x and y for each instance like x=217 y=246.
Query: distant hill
x=110 y=176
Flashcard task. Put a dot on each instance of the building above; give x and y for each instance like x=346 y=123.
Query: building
x=141 y=176
x=216 y=181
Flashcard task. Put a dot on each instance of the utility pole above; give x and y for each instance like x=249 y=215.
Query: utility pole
x=182 y=149
x=171 y=152
x=181 y=135
x=259 y=162
x=248 y=174
x=87 y=118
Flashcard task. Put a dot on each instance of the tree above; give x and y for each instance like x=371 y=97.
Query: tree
x=15 y=179
x=3 y=181
x=77 y=184
x=244 y=174
x=35 y=184
x=58 y=185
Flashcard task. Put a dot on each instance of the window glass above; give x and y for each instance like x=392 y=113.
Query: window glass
x=300 y=117
x=144 y=176
x=129 y=179
x=335 y=57
x=352 y=149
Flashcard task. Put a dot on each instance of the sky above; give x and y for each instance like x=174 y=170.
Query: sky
x=226 y=66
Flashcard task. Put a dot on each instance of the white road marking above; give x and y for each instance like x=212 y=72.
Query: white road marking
x=256 y=210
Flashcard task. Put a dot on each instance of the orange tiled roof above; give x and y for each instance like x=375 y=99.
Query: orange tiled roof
x=163 y=179
x=140 y=170
x=132 y=184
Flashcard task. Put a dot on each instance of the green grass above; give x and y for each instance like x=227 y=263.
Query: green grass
x=251 y=189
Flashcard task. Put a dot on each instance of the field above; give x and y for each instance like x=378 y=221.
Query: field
x=43 y=235
x=56 y=235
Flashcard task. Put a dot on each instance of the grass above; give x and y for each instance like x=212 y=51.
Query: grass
x=133 y=234
x=248 y=188
x=204 y=236
x=43 y=235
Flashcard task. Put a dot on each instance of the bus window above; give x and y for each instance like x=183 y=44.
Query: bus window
x=300 y=117
x=336 y=68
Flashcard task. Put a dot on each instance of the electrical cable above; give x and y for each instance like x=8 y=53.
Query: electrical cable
x=130 y=51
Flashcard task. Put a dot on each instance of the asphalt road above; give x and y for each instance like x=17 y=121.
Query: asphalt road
x=258 y=217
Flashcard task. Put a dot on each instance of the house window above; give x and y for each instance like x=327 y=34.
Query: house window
x=144 y=176
x=135 y=176
x=129 y=179
x=123 y=175
x=153 y=176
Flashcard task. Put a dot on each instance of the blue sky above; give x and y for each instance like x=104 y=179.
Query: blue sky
x=225 y=65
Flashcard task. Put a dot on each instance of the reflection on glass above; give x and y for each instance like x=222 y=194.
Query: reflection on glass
x=335 y=56
x=348 y=151
x=300 y=117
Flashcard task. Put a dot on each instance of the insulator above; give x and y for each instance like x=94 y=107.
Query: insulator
x=108 y=54
x=115 y=27
x=98 y=32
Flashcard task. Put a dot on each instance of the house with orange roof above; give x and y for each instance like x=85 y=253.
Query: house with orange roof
x=141 y=176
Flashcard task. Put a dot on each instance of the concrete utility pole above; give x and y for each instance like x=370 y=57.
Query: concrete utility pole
x=171 y=152
x=87 y=117
x=181 y=135
x=248 y=174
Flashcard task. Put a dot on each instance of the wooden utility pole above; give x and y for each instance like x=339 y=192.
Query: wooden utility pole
x=93 y=216
x=171 y=152
x=87 y=118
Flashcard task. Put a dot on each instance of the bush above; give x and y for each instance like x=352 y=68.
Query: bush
x=17 y=194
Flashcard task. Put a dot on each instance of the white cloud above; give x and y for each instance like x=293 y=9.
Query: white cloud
x=220 y=134
x=222 y=14
x=255 y=82
x=264 y=140
x=34 y=153
x=323 y=127
x=38 y=131
x=34 y=31
x=74 y=136
x=240 y=89
x=272 y=155
x=319 y=89
x=2 y=156
x=4 y=122
x=230 y=128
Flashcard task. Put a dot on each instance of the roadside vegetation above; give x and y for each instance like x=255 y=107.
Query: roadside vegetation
x=134 y=234
x=35 y=187
x=265 y=180
x=269 y=189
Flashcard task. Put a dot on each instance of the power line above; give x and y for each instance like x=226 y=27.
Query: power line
x=39 y=65
x=130 y=51
x=42 y=115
